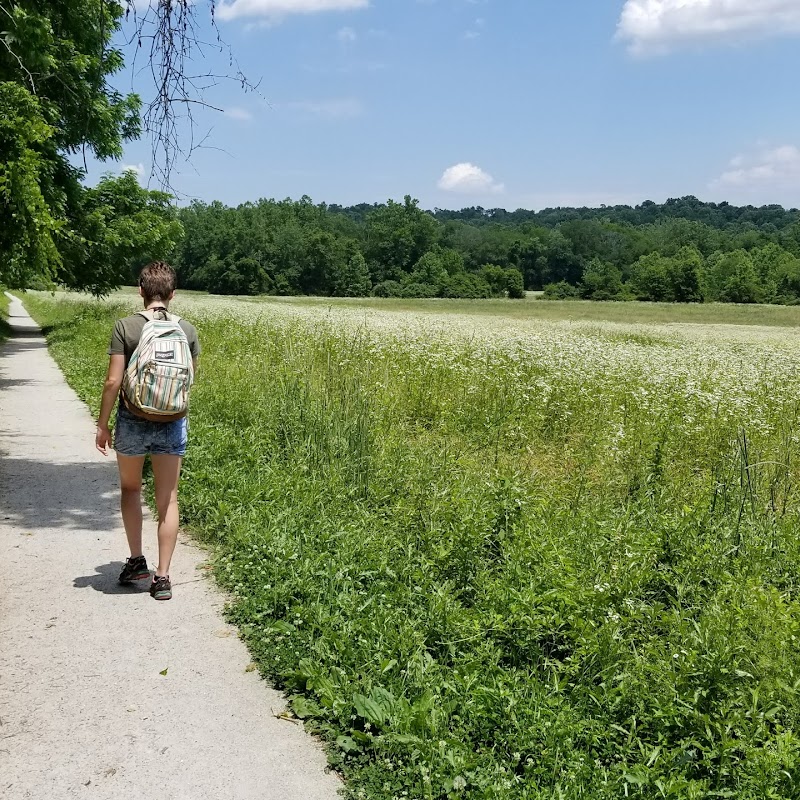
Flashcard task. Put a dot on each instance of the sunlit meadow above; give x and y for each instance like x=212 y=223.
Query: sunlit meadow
x=498 y=554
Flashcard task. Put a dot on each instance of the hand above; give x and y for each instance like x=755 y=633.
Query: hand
x=102 y=440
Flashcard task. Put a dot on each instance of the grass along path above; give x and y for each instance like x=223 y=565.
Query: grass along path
x=502 y=558
x=4 y=303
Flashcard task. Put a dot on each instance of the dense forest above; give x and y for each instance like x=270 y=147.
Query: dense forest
x=683 y=250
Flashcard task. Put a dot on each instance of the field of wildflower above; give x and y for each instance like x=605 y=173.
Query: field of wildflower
x=494 y=554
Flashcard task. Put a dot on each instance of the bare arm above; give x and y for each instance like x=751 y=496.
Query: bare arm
x=111 y=387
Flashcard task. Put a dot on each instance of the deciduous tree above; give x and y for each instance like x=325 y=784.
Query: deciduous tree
x=56 y=101
x=119 y=227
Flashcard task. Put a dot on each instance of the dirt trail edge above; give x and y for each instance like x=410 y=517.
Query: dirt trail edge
x=85 y=710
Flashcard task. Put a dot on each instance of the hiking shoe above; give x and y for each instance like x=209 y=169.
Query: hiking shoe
x=161 y=588
x=135 y=569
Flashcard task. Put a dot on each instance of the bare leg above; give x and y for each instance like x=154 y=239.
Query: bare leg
x=130 y=482
x=166 y=471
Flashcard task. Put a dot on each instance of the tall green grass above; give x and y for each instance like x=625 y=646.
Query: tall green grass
x=5 y=329
x=480 y=572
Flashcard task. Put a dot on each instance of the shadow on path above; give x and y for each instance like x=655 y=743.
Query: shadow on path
x=105 y=580
x=9 y=383
x=20 y=343
x=42 y=495
x=25 y=334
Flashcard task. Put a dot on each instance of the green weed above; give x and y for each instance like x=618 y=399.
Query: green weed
x=5 y=330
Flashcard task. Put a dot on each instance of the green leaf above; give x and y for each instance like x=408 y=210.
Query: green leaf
x=347 y=744
x=283 y=627
x=305 y=708
x=636 y=778
x=367 y=708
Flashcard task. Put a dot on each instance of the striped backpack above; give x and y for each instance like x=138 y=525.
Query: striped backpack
x=160 y=371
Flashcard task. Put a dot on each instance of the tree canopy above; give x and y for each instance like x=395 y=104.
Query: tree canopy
x=55 y=101
x=399 y=249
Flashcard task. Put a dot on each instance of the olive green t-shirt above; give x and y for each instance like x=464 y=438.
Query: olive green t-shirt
x=128 y=330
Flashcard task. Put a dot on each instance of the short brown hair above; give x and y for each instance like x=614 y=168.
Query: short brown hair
x=157 y=281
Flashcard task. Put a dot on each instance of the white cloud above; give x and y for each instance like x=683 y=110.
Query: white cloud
x=657 y=26
x=475 y=31
x=468 y=178
x=140 y=6
x=346 y=35
x=241 y=114
x=277 y=9
x=137 y=168
x=767 y=169
x=143 y=8
x=337 y=108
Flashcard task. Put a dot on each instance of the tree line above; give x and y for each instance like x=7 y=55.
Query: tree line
x=298 y=247
x=683 y=250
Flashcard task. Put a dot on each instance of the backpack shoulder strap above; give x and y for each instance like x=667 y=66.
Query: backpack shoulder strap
x=151 y=317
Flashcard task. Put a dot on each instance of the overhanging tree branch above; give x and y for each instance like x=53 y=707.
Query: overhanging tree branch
x=168 y=31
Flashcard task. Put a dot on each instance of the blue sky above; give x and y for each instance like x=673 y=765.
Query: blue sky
x=500 y=103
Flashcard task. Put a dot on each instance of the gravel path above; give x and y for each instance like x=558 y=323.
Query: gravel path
x=84 y=709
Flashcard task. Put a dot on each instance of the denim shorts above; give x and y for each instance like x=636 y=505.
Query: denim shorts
x=134 y=436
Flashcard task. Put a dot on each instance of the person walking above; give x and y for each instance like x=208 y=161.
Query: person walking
x=147 y=422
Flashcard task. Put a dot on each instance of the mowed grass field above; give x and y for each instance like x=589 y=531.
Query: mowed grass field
x=503 y=549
